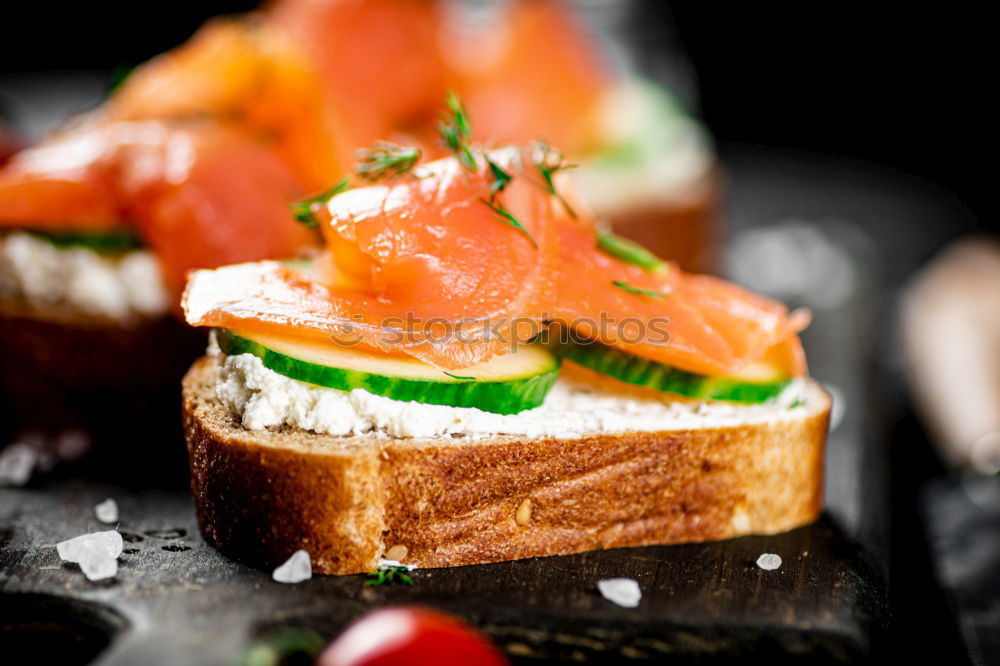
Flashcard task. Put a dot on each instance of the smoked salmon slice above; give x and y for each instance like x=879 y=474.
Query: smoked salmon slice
x=380 y=60
x=248 y=74
x=432 y=259
x=427 y=246
x=694 y=322
x=209 y=196
x=269 y=297
x=531 y=71
x=532 y=74
x=200 y=195
x=200 y=151
x=432 y=239
x=64 y=183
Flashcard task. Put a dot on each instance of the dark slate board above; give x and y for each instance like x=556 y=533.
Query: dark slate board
x=963 y=518
x=177 y=601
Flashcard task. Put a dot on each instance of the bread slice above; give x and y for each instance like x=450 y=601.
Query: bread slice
x=688 y=229
x=61 y=370
x=348 y=500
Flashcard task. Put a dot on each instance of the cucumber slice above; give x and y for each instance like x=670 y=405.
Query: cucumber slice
x=756 y=384
x=506 y=384
x=657 y=125
x=110 y=241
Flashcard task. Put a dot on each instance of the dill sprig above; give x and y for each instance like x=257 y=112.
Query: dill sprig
x=455 y=132
x=636 y=290
x=549 y=162
x=286 y=646
x=500 y=179
x=630 y=251
x=389 y=576
x=305 y=210
x=507 y=217
x=121 y=72
x=385 y=159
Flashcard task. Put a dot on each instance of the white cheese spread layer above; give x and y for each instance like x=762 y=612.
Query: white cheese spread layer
x=81 y=280
x=661 y=155
x=262 y=398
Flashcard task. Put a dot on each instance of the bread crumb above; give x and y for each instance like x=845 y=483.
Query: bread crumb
x=397 y=552
x=523 y=515
x=741 y=521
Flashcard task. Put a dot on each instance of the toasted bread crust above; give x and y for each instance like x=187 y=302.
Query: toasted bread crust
x=689 y=230
x=60 y=371
x=75 y=352
x=261 y=495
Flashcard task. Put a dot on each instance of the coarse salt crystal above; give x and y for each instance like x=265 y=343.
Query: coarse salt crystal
x=769 y=561
x=107 y=511
x=110 y=542
x=17 y=462
x=296 y=569
x=622 y=591
x=384 y=564
x=95 y=561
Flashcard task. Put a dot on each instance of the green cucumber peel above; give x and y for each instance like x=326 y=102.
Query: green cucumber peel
x=501 y=396
x=633 y=369
x=117 y=241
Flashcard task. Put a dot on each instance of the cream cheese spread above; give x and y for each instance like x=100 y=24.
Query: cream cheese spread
x=80 y=280
x=659 y=155
x=262 y=398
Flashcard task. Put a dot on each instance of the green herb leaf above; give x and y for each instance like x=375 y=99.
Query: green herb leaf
x=455 y=132
x=112 y=241
x=500 y=178
x=305 y=210
x=506 y=217
x=636 y=290
x=385 y=159
x=463 y=377
x=549 y=161
x=630 y=251
x=287 y=646
x=390 y=576
x=454 y=104
x=121 y=72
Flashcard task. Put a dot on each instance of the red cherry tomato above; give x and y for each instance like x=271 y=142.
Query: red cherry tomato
x=411 y=636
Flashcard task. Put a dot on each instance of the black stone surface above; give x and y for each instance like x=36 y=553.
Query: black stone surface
x=177 y=601
x=193 y=606
x=963 y=518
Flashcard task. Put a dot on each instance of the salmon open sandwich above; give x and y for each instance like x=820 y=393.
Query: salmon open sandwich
x=472 y=369
x=101 y=221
